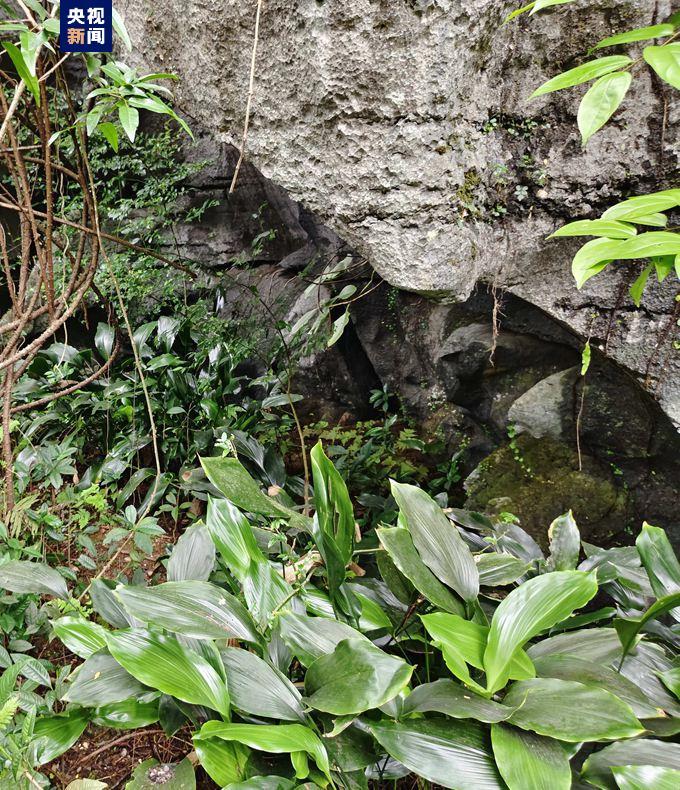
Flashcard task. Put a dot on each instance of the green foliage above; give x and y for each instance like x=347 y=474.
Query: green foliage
x=323 y=670
x=617 y=238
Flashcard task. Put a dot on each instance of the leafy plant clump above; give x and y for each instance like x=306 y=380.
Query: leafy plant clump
x=444 y=645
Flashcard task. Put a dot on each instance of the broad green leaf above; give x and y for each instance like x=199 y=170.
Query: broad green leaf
x=130 y=714
x=266 y=591
x=671 y=679
x=537 y=604
x=225 y=762
x=600 y=102
x=21 y=576
x=54 y=735
x=101 y=680
x=355 y=677
x=591 y=714
x=597 y=769
x=629 y=627
x=528 y=761
x=332 y=503
x=176 y=776
x=121 y=30
x=445 y=696
x=637 y=288
x=398 y=543
x=584 y=73
x=129 y=119
x=193 y=608
x=193 y=556
x=23 y=69
x=610 y=229
x=437 y=540
x=565 y=543
x=107 y=606
x=104 y=339
x=273 y=738
x=665 y=60
x=80 y=636
x=257 y=687
x=163 y=663
x=463 y=642
x=497 y=568
x=591 y=673
x=633 y=208
x=642 y=777
x=592 y=258
x=233 y=536
x=447 y=752
x=309 y=638
x=231 y=478
x=338 y=328
x=639 y=34
x=600 y=645
x=659 y=560
x=647 y=245
x=653 y=220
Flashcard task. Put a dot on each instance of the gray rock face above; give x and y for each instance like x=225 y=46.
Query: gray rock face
x=405 y=127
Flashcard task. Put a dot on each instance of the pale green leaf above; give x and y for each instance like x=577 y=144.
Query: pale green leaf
x=584 y=73
x=600 y=102
x=665 y=60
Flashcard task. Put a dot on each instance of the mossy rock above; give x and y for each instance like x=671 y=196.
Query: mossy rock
x=539 y=479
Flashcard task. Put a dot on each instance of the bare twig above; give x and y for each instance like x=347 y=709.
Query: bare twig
x=251 y=90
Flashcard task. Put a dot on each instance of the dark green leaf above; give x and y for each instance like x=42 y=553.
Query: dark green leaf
x=257 y=687
x=224 y=761
x=273 y=738
x=309 y=638
x=658 y=557
x=398 y=543
x=629 y=627
x=333 y=505
x=193 y=608
x=437 y=540
x=193 y=557
x=445 y=696
x=528 y=761
x=447 y=752
x=80 y=636
x=130 y=714
x=101 y=680
x=567 y=667
x=497 y=568
x=592 y=714
x=355 y=677
x=54 y=735
x=164 y=664
x=21 y=576
x=642 y=751
x=565 y=543
x=233 y=536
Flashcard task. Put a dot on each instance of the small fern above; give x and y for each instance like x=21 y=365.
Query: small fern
x=7 y=711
